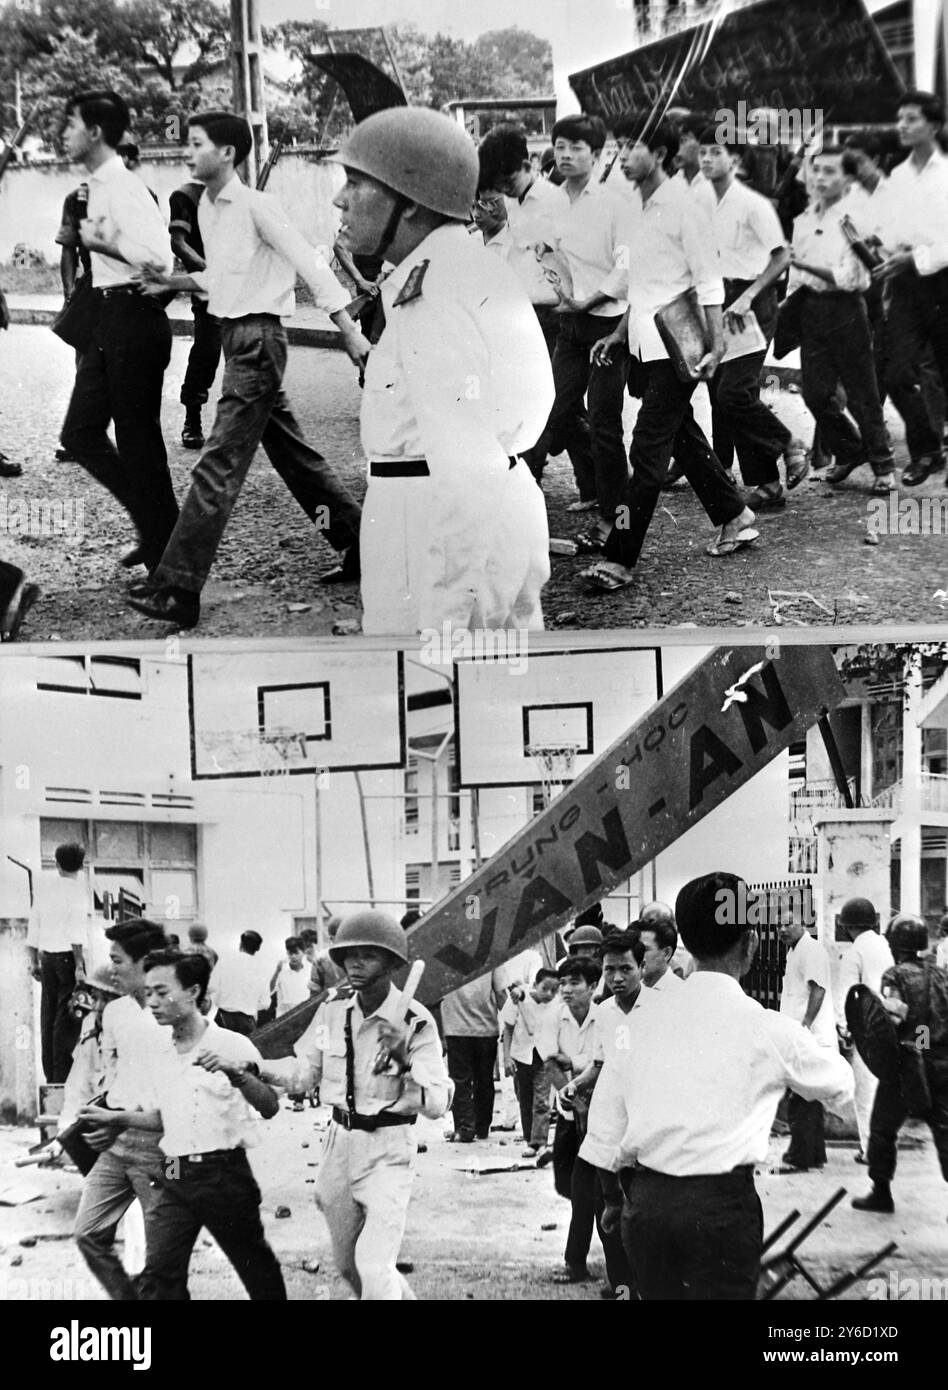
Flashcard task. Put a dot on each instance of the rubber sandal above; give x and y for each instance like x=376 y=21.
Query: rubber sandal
x=797 y=464
x=589 y=543
x=605 y=580
x=739 y=542
x=583 y=506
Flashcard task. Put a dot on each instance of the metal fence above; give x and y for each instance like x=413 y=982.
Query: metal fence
x=778 y=902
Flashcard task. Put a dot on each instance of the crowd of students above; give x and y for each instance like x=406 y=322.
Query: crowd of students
x=476 y=374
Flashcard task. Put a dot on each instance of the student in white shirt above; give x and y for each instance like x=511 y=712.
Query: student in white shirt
x=866 y=961
x=659 y=939
x=56 y=940
x=916 y=276
x=669 y=251
x=253 y=257
x=240 y=986
x=806 y=996
x=753 y=257
x=203 y=1096
x=568 y=1042
x=290 y=980
x=521 y=1019
x=835 y=342
x=697 y=1116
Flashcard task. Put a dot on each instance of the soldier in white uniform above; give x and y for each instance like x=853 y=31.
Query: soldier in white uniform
x=454 y=528
x=364 y=1183
x=864 y=964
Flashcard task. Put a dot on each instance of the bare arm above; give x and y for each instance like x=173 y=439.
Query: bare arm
x=814 y=1003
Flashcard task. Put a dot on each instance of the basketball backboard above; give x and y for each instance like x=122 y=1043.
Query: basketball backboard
x=253 y=711
x=584 y=699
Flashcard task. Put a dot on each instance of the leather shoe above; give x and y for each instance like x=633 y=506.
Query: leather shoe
x=920 y=469
x=143 y=588
x=176 y=606
x=879 y=1199
x=12 y=620
x=9 y=469
x=840 y=471
x=767 y=497
x=349 y=572
x=571 y=1275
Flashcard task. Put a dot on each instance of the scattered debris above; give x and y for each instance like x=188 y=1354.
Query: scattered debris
x=298 y=607
x=28 y=1241
x=17 y=1260
x=405 y=1266
x=310 y=1266
x=871 y=538
x=346 y=627
x=565 y=619
x=282 y=1212
x=780 y=598
x=732 y=596
x=558 y=546
x=548 y=1226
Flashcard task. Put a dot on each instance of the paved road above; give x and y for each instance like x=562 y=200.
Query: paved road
x=271 y=556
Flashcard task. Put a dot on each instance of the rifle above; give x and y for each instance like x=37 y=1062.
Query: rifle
x=272 y=158
x=17 y=140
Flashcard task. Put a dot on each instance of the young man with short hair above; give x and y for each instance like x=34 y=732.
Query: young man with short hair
x=240 y=986
x=521 y=1019
x=915 y=273
x=567 y=1042
x=129 y=1159
x=659 y=940
x=379 y=1067
x=753 y=256
x=253 y=257
x=836 y=346
x=865 y=963
x=806 y=996
x=120 y=377
x=290 y=981
x=57 y=940
x=670 y=251
x=203 y=1096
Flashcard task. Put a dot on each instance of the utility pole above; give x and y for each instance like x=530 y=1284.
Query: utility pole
x=247 y=78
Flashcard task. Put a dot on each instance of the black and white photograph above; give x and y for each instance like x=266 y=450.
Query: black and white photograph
x=474 y=670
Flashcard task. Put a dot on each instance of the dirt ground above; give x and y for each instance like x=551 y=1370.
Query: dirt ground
x=265 y=580
x=477 y=1235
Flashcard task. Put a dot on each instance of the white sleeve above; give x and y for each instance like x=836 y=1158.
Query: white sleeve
x=310 y=262
x=813 y=1072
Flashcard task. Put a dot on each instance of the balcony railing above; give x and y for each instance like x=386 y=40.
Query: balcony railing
x=803 y=854
x=813 y=797
x=933 y=793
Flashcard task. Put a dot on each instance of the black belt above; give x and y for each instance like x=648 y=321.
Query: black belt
x=111 y=291
x=70 y=954
x=211 y=1156
x=350 y=1120
x=246 y=318
x=412 y=468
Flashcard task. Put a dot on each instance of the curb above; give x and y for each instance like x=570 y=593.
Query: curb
x=184 y=328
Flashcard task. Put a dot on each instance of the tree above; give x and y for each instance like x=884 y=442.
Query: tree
x=183 y=42
x=522 y=62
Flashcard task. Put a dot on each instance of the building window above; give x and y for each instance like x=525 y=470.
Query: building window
x=411 y=796
x=155 y=863
x=117 y=677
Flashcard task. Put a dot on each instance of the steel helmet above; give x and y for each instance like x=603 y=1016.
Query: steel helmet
x=907 y=934
x=369 y=929
x=857 y=912
x=421 y=154
x=585 y=936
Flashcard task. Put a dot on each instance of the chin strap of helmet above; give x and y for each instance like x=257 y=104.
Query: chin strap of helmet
x=391 y=226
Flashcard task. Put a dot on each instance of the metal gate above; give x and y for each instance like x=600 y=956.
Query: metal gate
x=778 y=902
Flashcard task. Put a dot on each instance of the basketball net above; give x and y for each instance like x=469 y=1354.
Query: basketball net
x=272 y=754
x=554 y=763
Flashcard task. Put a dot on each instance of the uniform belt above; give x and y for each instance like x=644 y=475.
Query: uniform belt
x=412 y=468
x=110 y=291
x=381 y=1121
x=212 y=1156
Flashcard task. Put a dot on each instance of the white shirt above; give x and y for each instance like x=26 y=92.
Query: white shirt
x=941 y=953
x=819 y=240
x=669 y=248
x=917 y=212
x=526 y=1020
x=561 y=1033
x=131 y=1041
x=201 y=1110
x=717 y=1065
x=869 y=211
x=254 y=255
x=240 y=984
x=613 y=1028
x=321 y=1061
x=807 y=962
x=132 y=221
x=588 y=232
x=532 y=223
x=292 y=988
x=667 y=983
x=616 y=1035
x=746 y=228
x=59 y=917
x=866 y=961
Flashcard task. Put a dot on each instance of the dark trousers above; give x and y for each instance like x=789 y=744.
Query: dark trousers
x=222 y=1195
x=916 y=325
x=204 y=357
x=666 y=421
x=807 y=1145
x=10 y=580
x=252 y=410
x=59 y=1031
x=693 y=1239
x=120 y=379
x=836 y=347
x=575 y=1179
x=889 y=1115
x=532 y=1087
x=549 y=443
x=235 y=1022
x=471 y=1068
x=596 y=447
x=739 y=418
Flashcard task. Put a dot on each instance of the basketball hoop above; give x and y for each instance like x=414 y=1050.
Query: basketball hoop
x=270 y=754
x=555 y=765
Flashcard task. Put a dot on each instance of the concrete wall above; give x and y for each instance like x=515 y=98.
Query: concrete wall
x=18 y=1076
x=31 y=198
